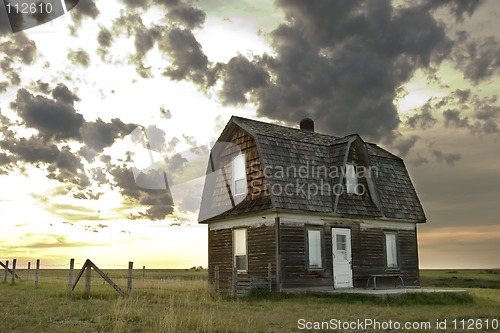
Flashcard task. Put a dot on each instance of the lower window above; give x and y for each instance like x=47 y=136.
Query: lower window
x=391 y=250
x=240 y=250
x=314 y=248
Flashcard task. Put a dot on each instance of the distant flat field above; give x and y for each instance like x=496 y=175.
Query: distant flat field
x=181 y=301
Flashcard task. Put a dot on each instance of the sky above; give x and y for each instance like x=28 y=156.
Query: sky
x=95 y=103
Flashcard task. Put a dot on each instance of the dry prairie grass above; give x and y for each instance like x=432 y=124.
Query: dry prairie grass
x=178 y=301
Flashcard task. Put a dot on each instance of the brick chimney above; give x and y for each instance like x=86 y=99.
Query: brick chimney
x=307 y=124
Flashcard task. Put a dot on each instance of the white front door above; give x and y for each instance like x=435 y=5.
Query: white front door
x=342 y=271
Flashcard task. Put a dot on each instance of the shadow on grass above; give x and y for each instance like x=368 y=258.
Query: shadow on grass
x=257 y=294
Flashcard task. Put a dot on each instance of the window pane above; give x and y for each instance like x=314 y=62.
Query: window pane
x=240 y=262
x=341 y=242
x=392 y=250
x=314 y=244
x=240 y=241
x=351 y=179
x=239 y=175
x=240 y=186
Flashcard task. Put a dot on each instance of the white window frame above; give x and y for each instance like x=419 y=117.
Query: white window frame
x=239 y=250
x=391 y=250
x=351 y=179
x=314 y=255
x=239 y=173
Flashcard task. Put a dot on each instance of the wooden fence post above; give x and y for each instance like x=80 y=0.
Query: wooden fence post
x=235 y=277
x=269 y=277
x=29 y=270
x=129 y=284
x=14 y=271
x=217 y=278
x=71 y=272
x=6 y=271
x=37 y=272
x=143 y=273
x=88 y=281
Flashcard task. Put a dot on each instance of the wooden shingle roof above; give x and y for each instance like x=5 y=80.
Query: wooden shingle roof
x=391 y=192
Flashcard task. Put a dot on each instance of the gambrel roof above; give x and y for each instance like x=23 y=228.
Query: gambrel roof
x=390 y=191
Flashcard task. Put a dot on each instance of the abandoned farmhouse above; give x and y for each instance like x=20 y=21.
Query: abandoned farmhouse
x=291 y=208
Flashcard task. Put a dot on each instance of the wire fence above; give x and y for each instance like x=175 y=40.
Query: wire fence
x=120 y=277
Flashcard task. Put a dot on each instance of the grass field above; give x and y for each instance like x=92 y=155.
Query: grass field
x=180 y=301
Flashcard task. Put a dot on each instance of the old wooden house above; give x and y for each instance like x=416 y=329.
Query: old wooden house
x=292 y=208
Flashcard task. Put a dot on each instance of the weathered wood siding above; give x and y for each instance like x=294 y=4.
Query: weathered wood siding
x=261 y=251
x=368 y=255
x=294 y=271
x=220 y=253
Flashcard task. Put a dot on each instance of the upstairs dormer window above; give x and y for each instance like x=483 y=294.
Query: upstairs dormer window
x=239 y=175
x=351 y=178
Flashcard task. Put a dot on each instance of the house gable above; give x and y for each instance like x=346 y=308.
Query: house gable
x=218 y=197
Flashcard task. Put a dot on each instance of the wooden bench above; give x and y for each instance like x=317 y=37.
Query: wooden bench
x=374 y=277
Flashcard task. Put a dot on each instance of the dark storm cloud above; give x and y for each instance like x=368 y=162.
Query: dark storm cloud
x=178 y=11
x=3 y=86
x=449 y=158
x=342 y=62
x=187 y=15
x=460 y=109
x=189 y=61
x=452 y=119
x=145 y=39
x=105 y=40
x=423 y=119
x=58 y=122
x=40 y=86
x=79 y=57
x=20 y=47
x=419 y=160
x=18 y=50
x=462 y=95
x=486 y=115
x=70 y=4
x=98 y=134
x=404 y=144
x=241 y=76
x=32 y=150
x=174 y=39
x=84 y=9
x=52 y=118
x=159 y=202
x=175 y=164
x=136 y=3
x=478 y=59
x=458 y=8
x=61 y=93
x=99 y=175
x=60 y=164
